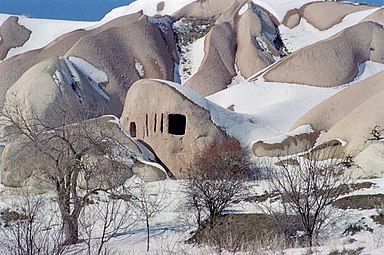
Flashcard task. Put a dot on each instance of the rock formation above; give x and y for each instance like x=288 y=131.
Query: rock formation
x=21 y=169
x=12 y=35
x=350 y=115
x=338 y=57
x=322 y=15
x=175 y=127
x=133 y=48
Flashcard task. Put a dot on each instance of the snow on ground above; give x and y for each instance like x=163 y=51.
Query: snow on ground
x=90 y=70
x=192 y=58
x=368 y=69
x=45 y=31
x=171 y=227
x=281 y=7
x=149 y=7
x=305 y=34
x=278 y=105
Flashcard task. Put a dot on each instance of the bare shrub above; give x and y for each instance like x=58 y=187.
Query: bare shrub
x=149 y=202
x=308 y=190
x=102 y=220
x=216 y=180
x=27 y=230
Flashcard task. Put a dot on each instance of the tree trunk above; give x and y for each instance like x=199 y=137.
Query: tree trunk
x=147 y=220
x=71 y=230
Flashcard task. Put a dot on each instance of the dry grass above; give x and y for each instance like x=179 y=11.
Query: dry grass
x=364 y=202
x=240 y=232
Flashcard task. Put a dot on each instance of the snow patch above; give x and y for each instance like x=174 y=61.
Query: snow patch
x=89 y=69
x=368 y=69
x=149 y=8
x=281 y=7
x=93 y=75
x=305 y=34
x=243 y=9
x=139 y=68
x=45 y=31
x=193 y=58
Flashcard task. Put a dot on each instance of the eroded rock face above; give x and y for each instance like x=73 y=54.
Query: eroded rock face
x=350 y=115
x=338 y=57
x=218 y=65
x=289 y=146
x=254 y=50
x=236 y=40
x=322 y=15
x=370 y=162
x=204 y=8
x=25 y=165
x=54 y=88
x=176 y=128
x=377 y=16
x=12 y=35
x=127 y=49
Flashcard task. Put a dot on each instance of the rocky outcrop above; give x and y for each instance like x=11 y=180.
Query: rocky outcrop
x=55 y=89
x=237 y=39
x=132 y=46
x=12 y=35
x=350 y=115
x=175 y=127
x=370 y=162
x=338 y=57
x=255 y=51
x=322 y=15
x=289 y=146
x=204 y=8
x=218 y=66
x=21 y=169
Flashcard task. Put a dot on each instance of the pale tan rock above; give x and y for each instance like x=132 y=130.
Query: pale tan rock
x=113 y=47
x=43 y=91
x=218 y=66
x=234 y=37
x=23 y=164
x=138 y=43
x=334 y=61
x=350 y=115
x=12 y=35
x=148 y=172
x=251 y=56
x=292 y=18
x=176 y=128
x=204 y=8
x=322 y=15
x=377 y=16
x=289 y=146
x=370 y=162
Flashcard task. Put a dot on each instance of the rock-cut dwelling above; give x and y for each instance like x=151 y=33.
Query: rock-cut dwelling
x=162 y=115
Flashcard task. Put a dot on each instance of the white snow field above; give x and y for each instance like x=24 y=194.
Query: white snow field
x=305 y=34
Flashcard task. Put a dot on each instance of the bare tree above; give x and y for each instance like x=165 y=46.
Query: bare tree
x=103 y=219
x=27 y=230
x=307 y=190
x=217 y=179
x=149 y=200
x=68 y=152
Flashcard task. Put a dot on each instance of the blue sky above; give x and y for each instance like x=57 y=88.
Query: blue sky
x=374 y=2
x=91 y=10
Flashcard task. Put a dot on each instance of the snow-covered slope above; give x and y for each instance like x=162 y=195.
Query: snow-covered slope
x=43 y=31
x=305 y=34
